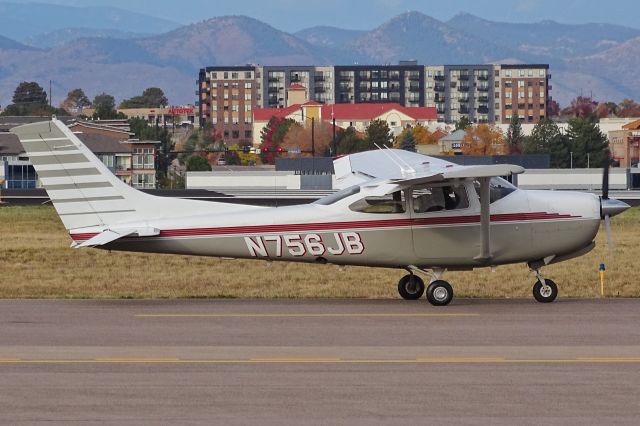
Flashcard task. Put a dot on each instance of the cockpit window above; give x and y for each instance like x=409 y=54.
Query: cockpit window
x=337 y=196
x=386 y=204
x=436 y=198
x=498 y=188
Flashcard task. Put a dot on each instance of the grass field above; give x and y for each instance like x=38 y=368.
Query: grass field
x=36 y=262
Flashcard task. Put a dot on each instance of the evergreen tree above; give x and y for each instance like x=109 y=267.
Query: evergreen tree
x=515 y=137
x=587 y=142
x=348 y=142
x=29 y=93
x=546 y=139
x=378 y=133
x=105 y=106
x=463 y=123
x=408 y=142
x=196 y=163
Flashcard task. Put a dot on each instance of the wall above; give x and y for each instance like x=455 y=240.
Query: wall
x=571 y=179
x=245 y=179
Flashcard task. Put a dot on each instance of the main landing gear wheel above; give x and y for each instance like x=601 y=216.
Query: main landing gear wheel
x=545 y=293
x=411 y=287
x=439 y=293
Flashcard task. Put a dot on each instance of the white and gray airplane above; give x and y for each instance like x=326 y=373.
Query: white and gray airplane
x=397 y=209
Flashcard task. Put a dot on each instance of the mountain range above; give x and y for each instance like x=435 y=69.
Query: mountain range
x=117 y=57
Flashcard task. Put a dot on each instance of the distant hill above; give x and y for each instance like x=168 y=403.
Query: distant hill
x=63 y=36
x=21 y=21
x=605 y=63
x=328 y=37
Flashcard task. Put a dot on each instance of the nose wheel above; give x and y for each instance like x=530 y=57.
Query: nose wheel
x=545 y=293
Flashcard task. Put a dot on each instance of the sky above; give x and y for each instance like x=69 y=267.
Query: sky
x=293 y=15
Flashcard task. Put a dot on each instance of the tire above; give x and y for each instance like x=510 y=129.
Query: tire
x=439 y=293
x=545 y=294
x=411 y=287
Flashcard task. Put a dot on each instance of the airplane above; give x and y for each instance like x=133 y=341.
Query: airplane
x=394 y=209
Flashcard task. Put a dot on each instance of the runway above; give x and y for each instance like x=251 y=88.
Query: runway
x=319 y=362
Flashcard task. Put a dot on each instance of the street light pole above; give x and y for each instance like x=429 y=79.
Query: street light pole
x=313 y=138
x=335 y=150
x=571 y=154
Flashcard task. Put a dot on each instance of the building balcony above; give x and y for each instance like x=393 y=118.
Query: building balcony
x=463 y=109
x=483 y=88
x=439 y=77
x=483 y=99
x=365 y=87
x=463 y=100
x=394 y=98
x=483 y=109
x=440 y=98
x=273 y=79
x=318 y=77
x=413 y=77
x=345 y=87
x=394 y=75
x=440 y=110
x=482 y=77
x=439 y=88
x=463 y=77
x=345 y=78
x=414 y=87
x=295 y=79
x=319 y=89
x=273 y=90
x=463 y=88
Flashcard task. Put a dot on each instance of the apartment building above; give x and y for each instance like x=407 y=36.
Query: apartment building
x=481 y=93
x=226 y=97
x=523 y=90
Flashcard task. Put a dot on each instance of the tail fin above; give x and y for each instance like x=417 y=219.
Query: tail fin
x=84 y=191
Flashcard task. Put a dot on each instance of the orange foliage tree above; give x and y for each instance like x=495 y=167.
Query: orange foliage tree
x=483 y=140
x=421 y=133
x=298 y=137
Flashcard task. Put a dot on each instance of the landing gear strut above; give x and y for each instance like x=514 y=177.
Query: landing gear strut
x=439 y=292
x=544 y=290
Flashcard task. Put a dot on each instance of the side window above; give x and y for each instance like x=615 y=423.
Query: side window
x=387 y=204
x=498 y=189
x=437 y=198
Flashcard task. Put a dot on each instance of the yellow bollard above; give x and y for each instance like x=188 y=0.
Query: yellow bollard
x=602 y=269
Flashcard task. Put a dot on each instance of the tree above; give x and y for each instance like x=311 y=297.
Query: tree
x=75 y=101
x=378 y=133
x=143 y=131
x=582 y=106
x=196 y=163
x=587 y=143
x=546 y=139
x=422 y=135
x=29 y=93
x=515 y=138
x=152 y=97
x=105 y=106
x=463 y=123
x=298 y=137
x=483 y=140
x=272 y=136
x=408 y=142
x=628 y=108
x=348 y=142
x=31 y=99
x=554 y=108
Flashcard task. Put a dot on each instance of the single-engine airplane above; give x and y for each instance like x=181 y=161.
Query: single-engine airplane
x=396 y=209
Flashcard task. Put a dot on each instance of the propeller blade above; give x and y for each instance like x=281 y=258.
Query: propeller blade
x=607 y=228
x=605 y=175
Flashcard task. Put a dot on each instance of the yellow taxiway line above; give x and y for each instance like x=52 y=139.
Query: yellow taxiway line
x=308 y=315
x=441 y=360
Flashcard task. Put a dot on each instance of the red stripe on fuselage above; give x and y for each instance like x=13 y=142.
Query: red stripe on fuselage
x=365 y=224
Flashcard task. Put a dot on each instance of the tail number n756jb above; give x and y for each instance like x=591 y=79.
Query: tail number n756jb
x=298 y=245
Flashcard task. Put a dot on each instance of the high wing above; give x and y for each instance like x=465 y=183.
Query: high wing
x=403 y=168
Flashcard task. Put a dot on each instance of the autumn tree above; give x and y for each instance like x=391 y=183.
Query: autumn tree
x=546 y=138
x=483 y=140
x=422 y=135
x=299 y=138
x=272 y=136
x=515 y=137
x=581 y=106
x=628 y=108
x=75 y=101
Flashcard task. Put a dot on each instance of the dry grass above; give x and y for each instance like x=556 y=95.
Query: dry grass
x=36 y=262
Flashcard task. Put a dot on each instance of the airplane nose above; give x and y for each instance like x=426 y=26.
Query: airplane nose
x=611 y=207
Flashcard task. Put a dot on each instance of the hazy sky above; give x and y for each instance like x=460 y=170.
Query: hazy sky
x=292 y=15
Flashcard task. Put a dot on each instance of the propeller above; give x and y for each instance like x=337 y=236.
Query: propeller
x=608 y=206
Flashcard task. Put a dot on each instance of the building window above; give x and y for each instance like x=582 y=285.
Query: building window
x=143 y=158
x=247 y=85
x=530 y=93
x=542 y=73
x=507 y=73
x=542 y=93
x=235 y=134
x=247 y=108
x=530 y=73
x=520 y=83
x=214 y=85
x=521 y=73
x=247 y=119
x=213 y=76
x=247 y=134
x=226 y=133
x=234 y=75
x=247 y=74
x=226 y=75
x=147 y=181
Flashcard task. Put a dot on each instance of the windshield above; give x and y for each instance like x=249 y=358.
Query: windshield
x=498 y=188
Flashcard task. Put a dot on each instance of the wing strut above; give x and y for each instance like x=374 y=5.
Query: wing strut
x=485 y=221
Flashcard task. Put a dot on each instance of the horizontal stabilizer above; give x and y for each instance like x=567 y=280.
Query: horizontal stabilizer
x=110 y=235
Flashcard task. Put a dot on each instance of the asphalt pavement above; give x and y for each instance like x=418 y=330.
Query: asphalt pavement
x=319 y=362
